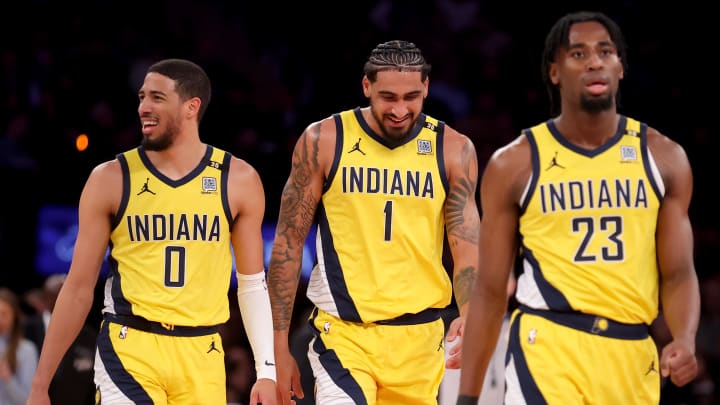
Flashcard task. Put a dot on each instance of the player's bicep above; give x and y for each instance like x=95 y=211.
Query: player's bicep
x=98 y=201
x=674 y=240
x=302 y=190
x=500 y=189
x=674 y=234
x=461 y=213
x=246 y=233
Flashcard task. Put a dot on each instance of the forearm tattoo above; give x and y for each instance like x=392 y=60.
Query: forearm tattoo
x=463 y=281
x=297 y=212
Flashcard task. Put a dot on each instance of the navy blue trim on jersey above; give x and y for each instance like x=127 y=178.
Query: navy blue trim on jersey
x=333 y=271
x=427 y=315
x=414 y=131
x=140 y=323
x=646 y=161
x=125 y=169
x=530 y=391
x=117 y=372
x=440 y=156
x=619 y=132
x=170 y=182
x=332 y=364
x=535 y=174
x=338 y=152
x=120 y=304
x=224 y=175
x=552 y=296
x=592 y=324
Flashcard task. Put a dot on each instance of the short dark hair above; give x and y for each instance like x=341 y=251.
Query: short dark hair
x=558 y=38
x=396 y=55
x=190 y=80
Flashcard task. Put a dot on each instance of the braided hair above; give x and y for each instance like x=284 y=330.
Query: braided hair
x=401 y=56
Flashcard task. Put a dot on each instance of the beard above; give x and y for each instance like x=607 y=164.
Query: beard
x=162 y=141
x=393 y=136
x=596 y=104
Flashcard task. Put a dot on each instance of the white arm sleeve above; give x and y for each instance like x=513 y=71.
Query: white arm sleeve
x=254 y=305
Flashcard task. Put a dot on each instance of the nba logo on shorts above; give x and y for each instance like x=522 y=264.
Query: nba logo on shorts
x=209 y=184
x=424 y=146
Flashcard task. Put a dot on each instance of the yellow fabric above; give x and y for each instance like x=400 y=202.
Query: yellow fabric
x=588 y=228
x=381 y=225
x=170 y=254
x=134 y=365
x=376 y=364
x=573 y=367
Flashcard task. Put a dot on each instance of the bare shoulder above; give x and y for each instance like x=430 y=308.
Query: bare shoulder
x=245 y=189
x=510 y=167
x=316 y=146
x=459 y=154
x=663 y=148
x=107 y=171
x=671 y=160
x=104 y=186
x=455 y=141
x=512 y=157
x=242 y=172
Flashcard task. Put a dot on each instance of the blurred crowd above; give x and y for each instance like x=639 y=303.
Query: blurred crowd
x=67 y=70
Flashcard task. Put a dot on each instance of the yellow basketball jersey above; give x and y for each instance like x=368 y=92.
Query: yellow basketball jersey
x=588 y=224
x=170 y=252
x=381 y=224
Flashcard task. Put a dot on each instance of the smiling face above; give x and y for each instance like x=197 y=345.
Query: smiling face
x=587 y=72
x=161 y=111
x=396 y=101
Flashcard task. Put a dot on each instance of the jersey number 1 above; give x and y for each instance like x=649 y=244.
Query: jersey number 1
x=388 y=219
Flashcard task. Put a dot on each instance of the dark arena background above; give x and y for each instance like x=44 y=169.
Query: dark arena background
x=68 y=71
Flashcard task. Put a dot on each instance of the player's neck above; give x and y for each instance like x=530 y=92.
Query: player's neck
x=180 y=158
x=588 y=130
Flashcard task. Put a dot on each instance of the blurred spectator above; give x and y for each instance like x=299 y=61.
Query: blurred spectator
x=240 y=371
x=73 y=381
x=18 y=356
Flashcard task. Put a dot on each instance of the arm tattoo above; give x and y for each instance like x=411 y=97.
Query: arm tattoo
x=460 y=191
x=297 y=213
x=462 y=285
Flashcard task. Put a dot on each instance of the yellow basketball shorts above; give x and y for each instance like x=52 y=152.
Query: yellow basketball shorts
x=134 y=366
x=574 y=359
x=376 y=364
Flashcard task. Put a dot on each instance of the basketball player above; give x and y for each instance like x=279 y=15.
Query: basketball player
x=382 y=184
x=600 y=203
x=170 y=210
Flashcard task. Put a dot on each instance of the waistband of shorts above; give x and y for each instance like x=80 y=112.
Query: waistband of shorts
x=595 y=325
x=424 y=316
x=140 y=323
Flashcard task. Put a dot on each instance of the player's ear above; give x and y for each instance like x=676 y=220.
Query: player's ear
x=193 y=106
x=366 y=86
x=553 y=74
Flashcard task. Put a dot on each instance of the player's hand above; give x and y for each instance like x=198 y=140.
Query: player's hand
x=454 y=336
x=288 y=378
x=263 y=392
x=678 y=362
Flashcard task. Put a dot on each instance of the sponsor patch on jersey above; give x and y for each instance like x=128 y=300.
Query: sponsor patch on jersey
x=424 y=146
x=209 y=184
x=628 y=153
